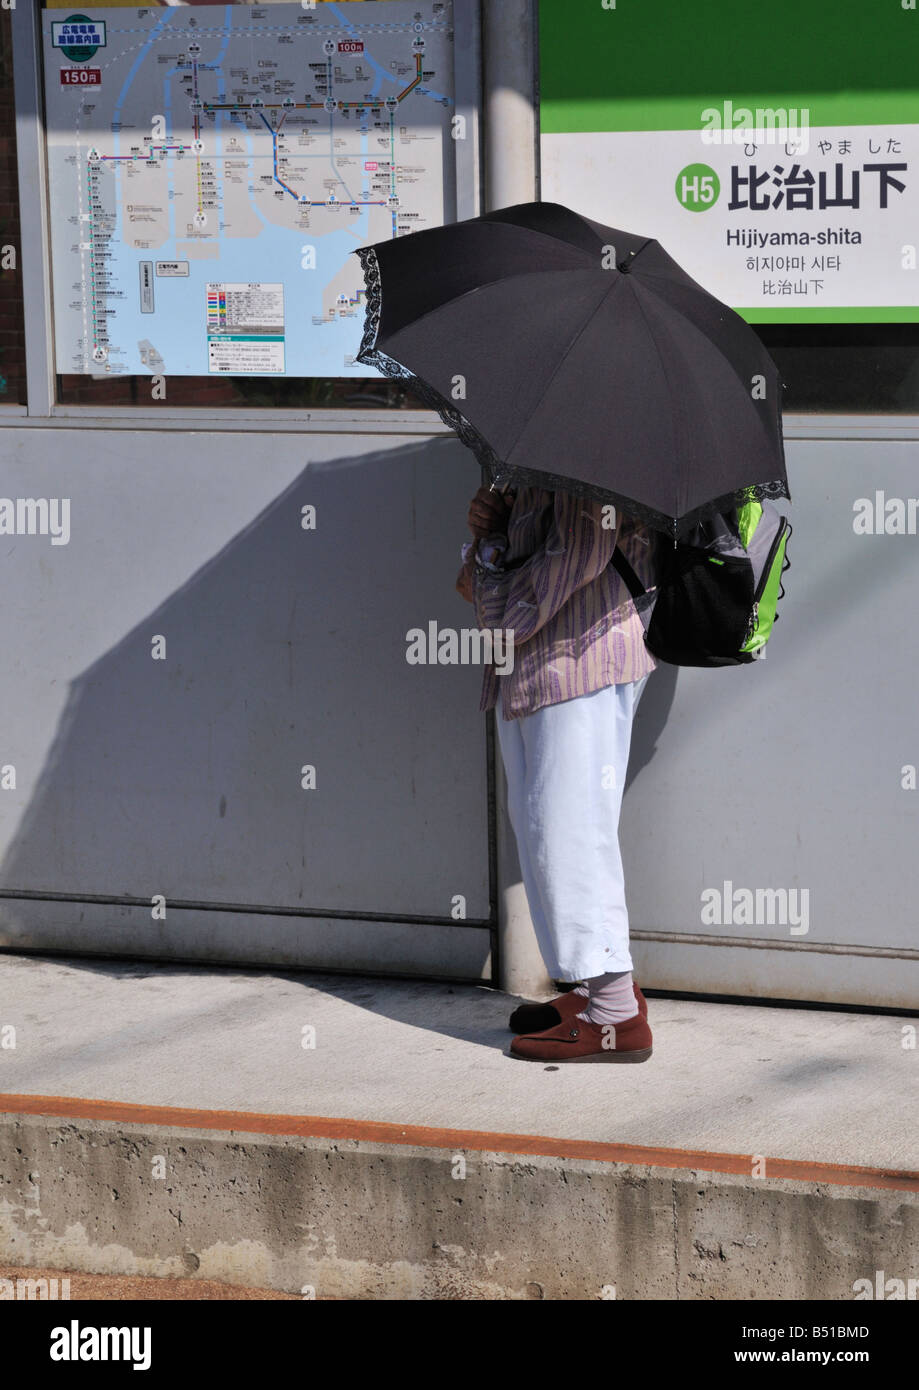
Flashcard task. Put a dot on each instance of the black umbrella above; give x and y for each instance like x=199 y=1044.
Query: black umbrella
x=573 y=356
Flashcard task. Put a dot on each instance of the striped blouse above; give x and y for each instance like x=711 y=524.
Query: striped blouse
x=575 y=627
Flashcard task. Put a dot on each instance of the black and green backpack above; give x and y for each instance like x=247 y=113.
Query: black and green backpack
x=717 y=590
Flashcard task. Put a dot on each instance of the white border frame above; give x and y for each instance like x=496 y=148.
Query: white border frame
x=386 y=422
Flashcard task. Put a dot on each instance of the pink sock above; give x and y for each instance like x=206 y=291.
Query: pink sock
x=612 y=998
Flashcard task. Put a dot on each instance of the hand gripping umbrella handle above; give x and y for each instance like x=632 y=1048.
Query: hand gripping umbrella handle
x=495 y=545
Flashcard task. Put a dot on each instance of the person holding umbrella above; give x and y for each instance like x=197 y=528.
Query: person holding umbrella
x=582 y=365
x=564 y=718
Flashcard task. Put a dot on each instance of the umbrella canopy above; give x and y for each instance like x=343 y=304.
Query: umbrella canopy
x=574 y=356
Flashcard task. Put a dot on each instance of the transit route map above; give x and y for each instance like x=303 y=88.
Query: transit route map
x=211 y=168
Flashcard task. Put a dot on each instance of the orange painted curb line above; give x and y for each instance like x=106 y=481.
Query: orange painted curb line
x=457 y=1140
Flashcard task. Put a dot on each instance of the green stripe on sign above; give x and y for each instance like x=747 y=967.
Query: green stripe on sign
x=656 y=65
x=859 y=314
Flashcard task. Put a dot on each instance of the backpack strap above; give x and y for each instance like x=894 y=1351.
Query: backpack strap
x=628 y=575
x=644 y=602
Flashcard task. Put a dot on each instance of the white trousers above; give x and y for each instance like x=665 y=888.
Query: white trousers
x=565 y=767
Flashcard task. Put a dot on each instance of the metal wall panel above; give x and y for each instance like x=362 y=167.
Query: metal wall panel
x=787 y=774
x=284 y=648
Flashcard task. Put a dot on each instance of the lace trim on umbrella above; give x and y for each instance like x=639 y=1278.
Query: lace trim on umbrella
x=496 y=468
x=369 y=353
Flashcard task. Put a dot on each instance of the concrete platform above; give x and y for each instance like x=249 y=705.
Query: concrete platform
x=169 y=1120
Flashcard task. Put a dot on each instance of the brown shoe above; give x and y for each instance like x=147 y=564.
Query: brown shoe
x=579 y=1040
x=536 y=1018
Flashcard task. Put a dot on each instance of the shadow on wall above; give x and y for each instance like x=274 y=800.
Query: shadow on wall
x=650 y=718
x=285 y=648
